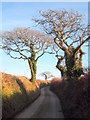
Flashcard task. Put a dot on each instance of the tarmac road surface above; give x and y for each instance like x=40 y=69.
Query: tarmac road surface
x=45 y=106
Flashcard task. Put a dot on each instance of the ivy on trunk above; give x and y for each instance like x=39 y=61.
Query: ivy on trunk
x=69 y=34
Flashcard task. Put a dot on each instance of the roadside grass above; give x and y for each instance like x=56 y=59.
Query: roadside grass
x=73 y=96
x=18 y=92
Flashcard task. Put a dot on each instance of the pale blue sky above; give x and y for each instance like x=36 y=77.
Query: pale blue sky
x=20 y=15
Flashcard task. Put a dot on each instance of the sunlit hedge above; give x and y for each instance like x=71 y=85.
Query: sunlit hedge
x=18 y=92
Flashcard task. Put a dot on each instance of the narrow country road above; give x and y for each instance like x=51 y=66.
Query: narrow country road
x=46 y=106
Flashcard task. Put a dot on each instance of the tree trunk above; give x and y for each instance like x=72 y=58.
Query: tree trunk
x=46 y=77
x=33 y=68
x=61 y=70
x=80 y=58
x=74 y=64
x=60 y=67
x=70 y=60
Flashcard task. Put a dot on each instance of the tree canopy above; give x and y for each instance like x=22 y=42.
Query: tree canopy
x=27 y=44
x=20 y=42
x=69 y=33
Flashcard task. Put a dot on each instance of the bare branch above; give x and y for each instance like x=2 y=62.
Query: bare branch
x=15 y=57
x=21 y=52
x=78 y=47
x=66 y=26
x=21 y=40
x=40 y=56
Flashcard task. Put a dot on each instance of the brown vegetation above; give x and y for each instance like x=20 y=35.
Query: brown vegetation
x=74 y=96
x=18 y=92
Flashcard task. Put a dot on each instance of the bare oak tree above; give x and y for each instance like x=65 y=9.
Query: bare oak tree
x=47 y=75
x=69 y=33
x=27 y=44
